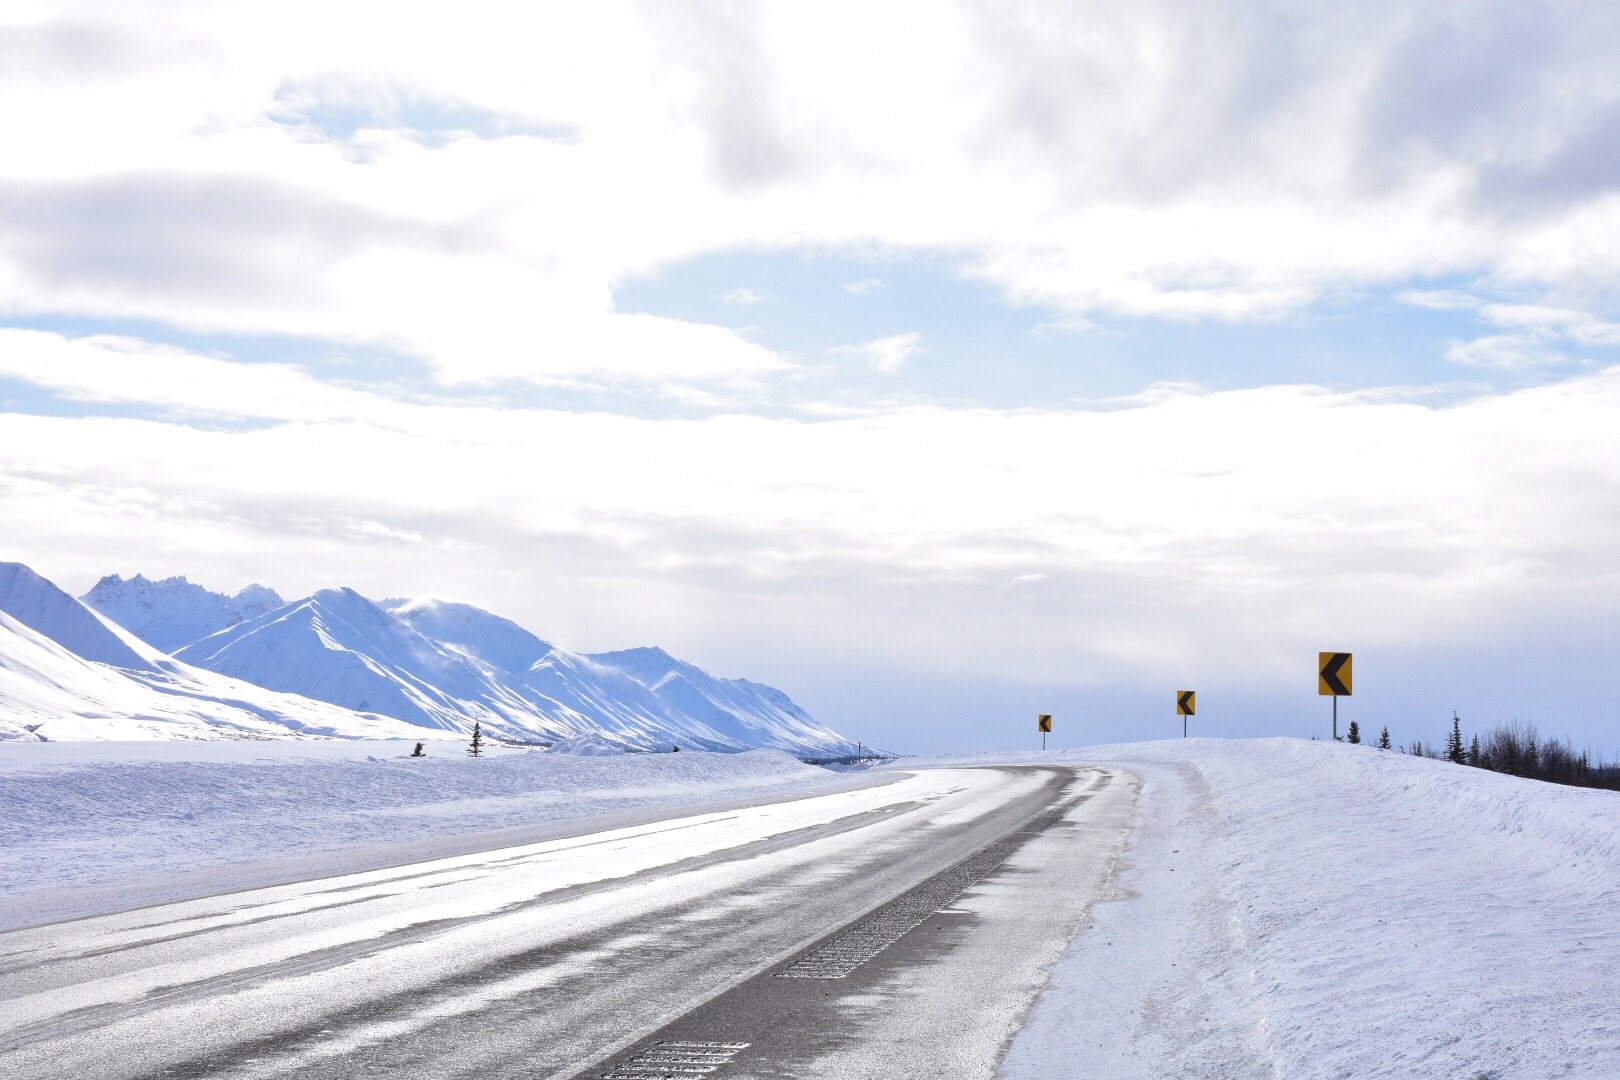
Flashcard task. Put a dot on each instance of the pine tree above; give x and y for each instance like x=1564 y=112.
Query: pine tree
x=1417 y=748
x=1473 y=752
x=1383 y=738
x=477 y=747
x=1454 y=743
x=1355 y=733
x=418 y=751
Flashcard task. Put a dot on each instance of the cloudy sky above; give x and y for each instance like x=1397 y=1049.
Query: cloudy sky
x=940 y=364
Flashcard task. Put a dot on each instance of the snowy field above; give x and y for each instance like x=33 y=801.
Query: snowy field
x=1305 y=909
x=94 y=827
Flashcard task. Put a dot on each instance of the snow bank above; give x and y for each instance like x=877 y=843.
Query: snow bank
x=1310 y=909
x=92 y=827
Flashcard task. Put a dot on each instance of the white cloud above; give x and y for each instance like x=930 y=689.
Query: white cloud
x=1152 y=161
x=744 y=296
x=863 y=287
x=1508 y=352
x=1238 y=524
x=885 y=353
x=1533 y=315
x=1597 y=333
x=1440 y=299
x=1074 y=324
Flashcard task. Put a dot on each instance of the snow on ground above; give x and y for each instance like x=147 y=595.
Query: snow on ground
x=95 y=827
x=1299 y=909
x=1285 y=909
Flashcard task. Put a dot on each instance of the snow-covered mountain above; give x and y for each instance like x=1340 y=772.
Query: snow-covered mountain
x=471 y=630
x=646 y=694
x=68 y=673
x=337 y=646
x=338 y=663
x=173 y=613
x=747 y=712
x=446 y=666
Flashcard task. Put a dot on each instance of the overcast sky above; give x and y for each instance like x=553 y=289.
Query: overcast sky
x=940 y=364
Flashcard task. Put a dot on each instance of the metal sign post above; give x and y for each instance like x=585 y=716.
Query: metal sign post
x=1044 y=722
x=1333 y=670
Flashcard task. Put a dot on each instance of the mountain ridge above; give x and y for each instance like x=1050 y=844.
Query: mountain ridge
x=68 y=673
x=414 y=666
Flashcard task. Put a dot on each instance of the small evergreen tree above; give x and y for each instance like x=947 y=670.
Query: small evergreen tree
x=1383 y=738
x=477 y=747
x=1473 y=752
x=1454 y=743
x=1417 y=748
x=418 y=751
x=1355 y=733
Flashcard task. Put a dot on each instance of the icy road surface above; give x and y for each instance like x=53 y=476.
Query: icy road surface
x=892 y=931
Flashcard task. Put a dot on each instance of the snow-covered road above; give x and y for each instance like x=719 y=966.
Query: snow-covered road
x=570 y=957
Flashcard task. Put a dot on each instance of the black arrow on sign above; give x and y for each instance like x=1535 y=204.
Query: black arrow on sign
x=1184 y=703
x=1330 y=674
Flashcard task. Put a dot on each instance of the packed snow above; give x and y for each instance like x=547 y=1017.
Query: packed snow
x=1310 y=909
x=97 y=826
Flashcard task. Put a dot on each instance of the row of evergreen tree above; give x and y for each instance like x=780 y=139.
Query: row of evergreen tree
x=1514 y=748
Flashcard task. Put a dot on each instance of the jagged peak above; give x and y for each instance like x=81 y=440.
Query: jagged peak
x=256 y=591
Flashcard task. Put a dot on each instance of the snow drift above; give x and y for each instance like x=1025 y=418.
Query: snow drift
x=1313 y=909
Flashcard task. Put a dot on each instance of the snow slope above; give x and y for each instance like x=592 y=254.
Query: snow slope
x=748 y=712
x=496 y=641
x=1310 y=909
x=644 y=697
x=39 y=604
x=89 y=828
x=66 y=672
x=339 y=647
x=172 y=613
x=447 y=666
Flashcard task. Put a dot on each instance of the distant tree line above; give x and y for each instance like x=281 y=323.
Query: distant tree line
x=1518 y=749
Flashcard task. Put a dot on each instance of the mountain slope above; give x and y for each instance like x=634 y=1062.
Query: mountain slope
x=172 y=613
x=612 y=702
x=426 y=664
x=40 y=605
x=339 y=647
x=446 y=666
x=747 y=712
x=50 y=689
x=478 y=633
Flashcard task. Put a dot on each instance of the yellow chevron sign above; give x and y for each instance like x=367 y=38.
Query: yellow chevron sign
x=1044 y=722
x=1186 y=702
x=1333 y=674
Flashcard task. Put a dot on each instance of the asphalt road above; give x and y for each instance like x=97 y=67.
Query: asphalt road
x=891 y=931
